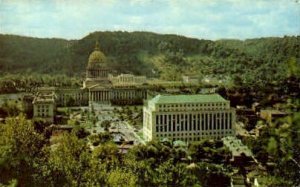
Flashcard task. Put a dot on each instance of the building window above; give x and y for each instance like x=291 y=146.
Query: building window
x=230 y=120
x=214 y=120
x=165 y=119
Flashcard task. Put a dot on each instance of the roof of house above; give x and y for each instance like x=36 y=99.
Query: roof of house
x=236 y=146
x=199 y=98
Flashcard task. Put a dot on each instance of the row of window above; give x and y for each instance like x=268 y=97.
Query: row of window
x=190 y=109
x=126 y=95
x=203 y=133
x=43 y=110
x=42 y=114
x=129 y=79
x=119 y=95
x=98 y=73
x=193 y=105
x=186 y=139
x=74 y=96
x=100 y=96
x=42 y=106
x=192 y=122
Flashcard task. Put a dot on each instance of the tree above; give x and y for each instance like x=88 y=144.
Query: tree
x=21 y=150
x=108 y=153
x=237 y=81
x=80 y=132
x=73 y=122
x=212 y=150
x=11 y=108
x=281 y=139
x=40 y=124
x=68 y=161
x=293 y=68
x=122 y=178
x=212 y=174
x=106 y=125
x=100 y=138
x=169 y=174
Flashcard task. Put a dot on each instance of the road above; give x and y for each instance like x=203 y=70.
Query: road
x=117 y=125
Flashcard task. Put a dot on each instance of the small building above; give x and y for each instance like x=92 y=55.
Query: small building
x=256 y=107
x=192 y=79
x=44 y=105
x=188 y=117
x=271 y=115
x=240 y=152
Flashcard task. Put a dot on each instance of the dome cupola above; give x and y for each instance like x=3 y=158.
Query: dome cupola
x=96 y=58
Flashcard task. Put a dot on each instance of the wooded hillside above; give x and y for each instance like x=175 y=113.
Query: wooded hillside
x=164 y=56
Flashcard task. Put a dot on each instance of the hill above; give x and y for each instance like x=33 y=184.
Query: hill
x=165 y=56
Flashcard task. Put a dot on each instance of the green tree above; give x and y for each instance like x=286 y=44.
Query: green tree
x=21 y=151
x=107 y=153
x=100 y=138
x=293 y=68
x=68 y=161
x=169 y=174
x=80 y=132
x=11 y=108
x=122 y=178
x=106 y=125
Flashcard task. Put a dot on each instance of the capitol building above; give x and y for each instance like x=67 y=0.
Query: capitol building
x=103 y=87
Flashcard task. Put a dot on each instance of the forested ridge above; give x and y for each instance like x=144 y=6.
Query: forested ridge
x=151 y=54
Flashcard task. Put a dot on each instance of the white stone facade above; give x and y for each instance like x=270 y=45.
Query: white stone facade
x=188 y=119
x=127 y=80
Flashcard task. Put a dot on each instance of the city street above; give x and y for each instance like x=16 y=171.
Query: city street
x=104 y=113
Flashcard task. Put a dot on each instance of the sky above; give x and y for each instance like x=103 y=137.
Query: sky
x=203 y=19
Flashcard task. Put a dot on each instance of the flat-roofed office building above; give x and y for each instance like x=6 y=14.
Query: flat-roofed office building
x=188 y=117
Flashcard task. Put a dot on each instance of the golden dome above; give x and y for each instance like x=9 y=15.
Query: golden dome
x=96 y=58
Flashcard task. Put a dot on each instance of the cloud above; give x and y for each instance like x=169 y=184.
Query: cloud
x=210 y=19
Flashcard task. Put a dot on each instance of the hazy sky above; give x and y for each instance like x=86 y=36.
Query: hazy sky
x=210 y=19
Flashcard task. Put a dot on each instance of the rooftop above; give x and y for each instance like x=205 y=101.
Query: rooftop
x=236 y=146
x=273 y=111
x=199 y=98
x=44 y=98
